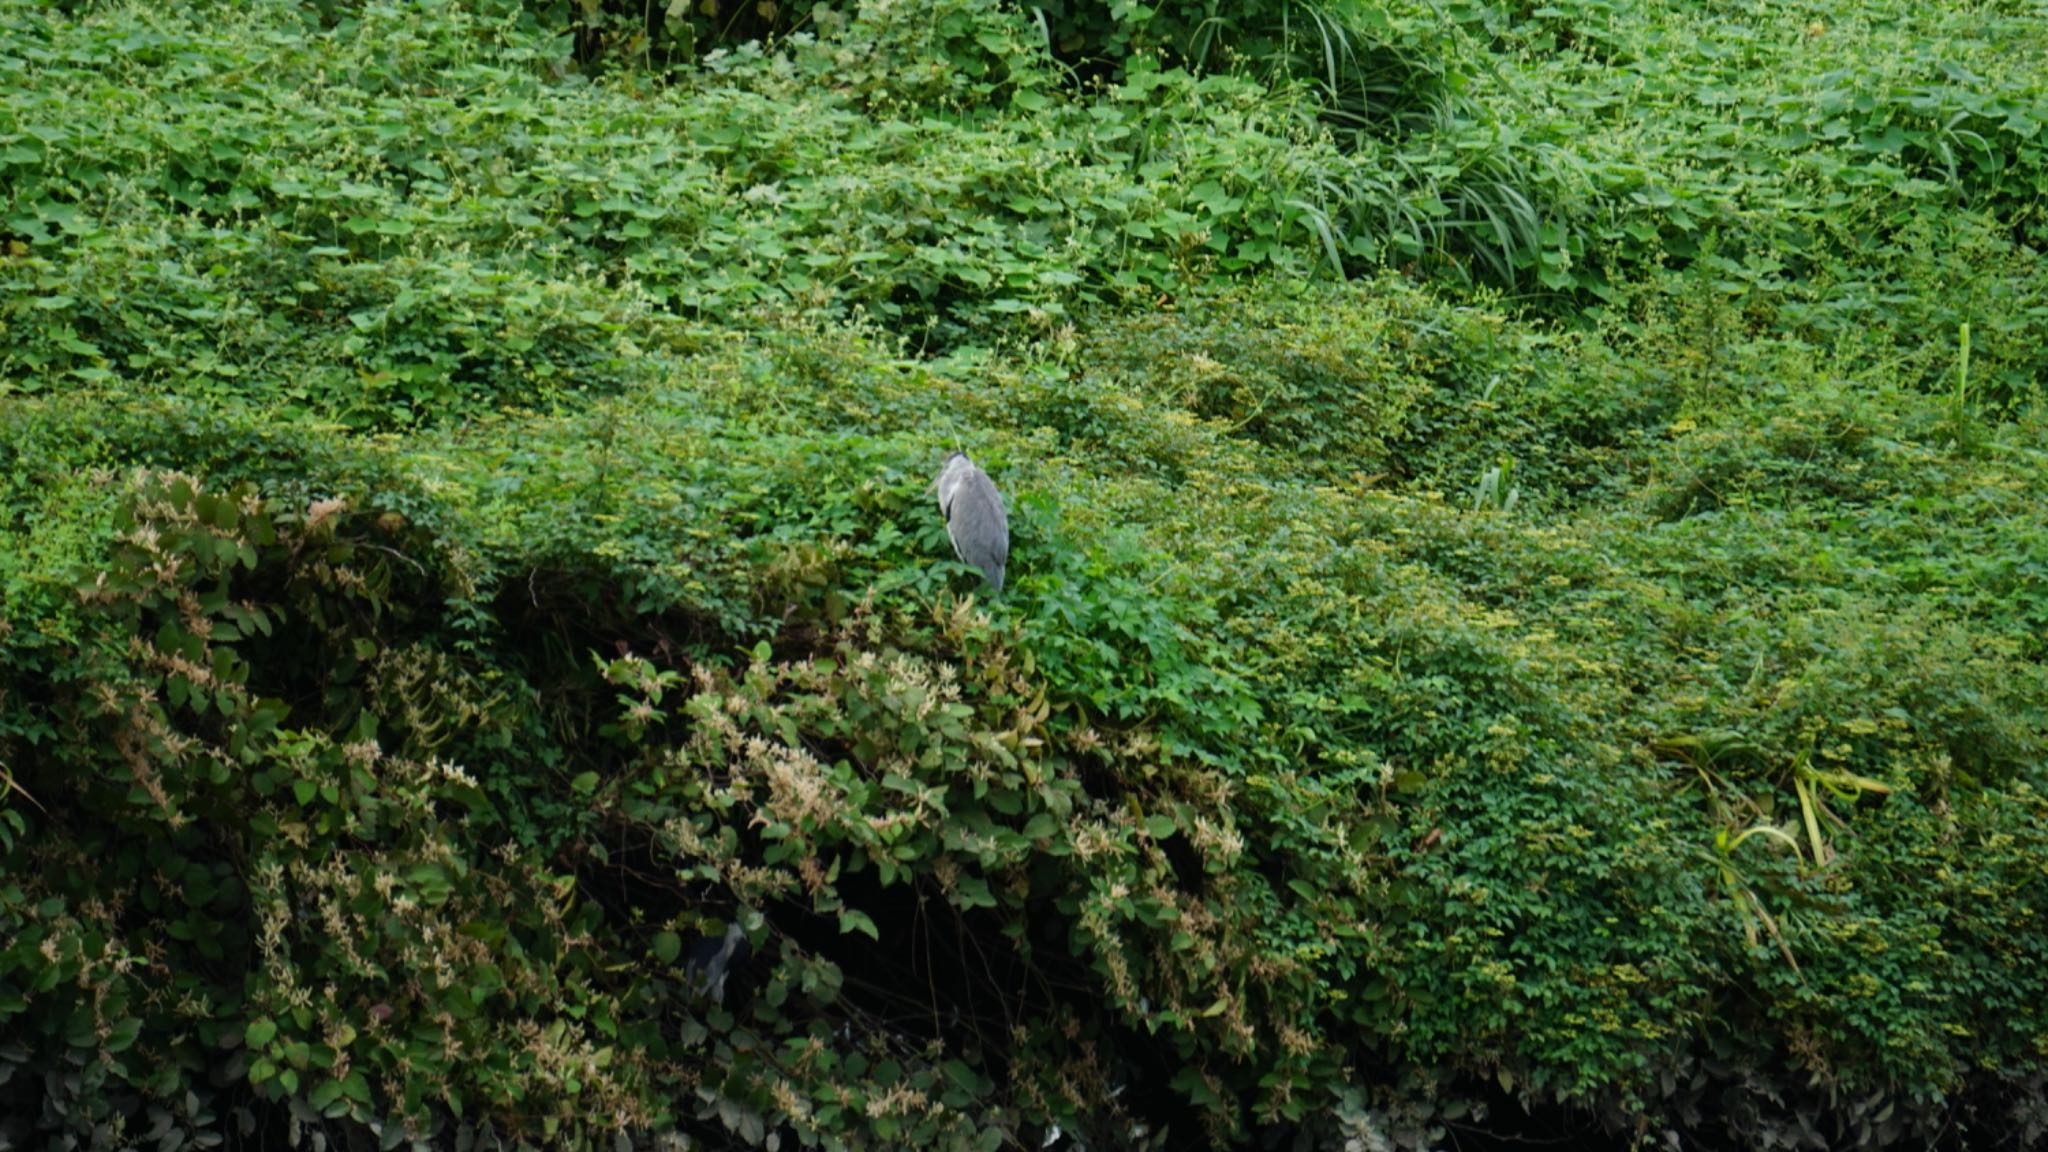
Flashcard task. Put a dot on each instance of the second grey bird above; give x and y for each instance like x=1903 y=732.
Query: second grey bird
x=975 y=519
x=712 y=958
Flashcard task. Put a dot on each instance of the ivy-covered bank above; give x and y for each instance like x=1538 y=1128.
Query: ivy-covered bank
x=1526 y=614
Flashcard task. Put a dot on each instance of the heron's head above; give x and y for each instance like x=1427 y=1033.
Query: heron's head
x=954 y=462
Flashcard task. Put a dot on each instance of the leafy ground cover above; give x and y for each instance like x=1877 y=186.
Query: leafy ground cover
x=1527 y=609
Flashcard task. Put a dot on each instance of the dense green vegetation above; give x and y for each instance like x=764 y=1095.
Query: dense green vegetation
x=1527 y=611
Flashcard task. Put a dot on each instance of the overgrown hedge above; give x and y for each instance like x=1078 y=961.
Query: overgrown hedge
x=394 y=779
x=464 y=538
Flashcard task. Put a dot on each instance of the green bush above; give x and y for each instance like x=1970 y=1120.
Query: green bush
x=466 y=537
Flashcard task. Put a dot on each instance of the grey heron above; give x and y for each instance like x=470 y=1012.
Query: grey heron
x=975 y=519
x=711 y=958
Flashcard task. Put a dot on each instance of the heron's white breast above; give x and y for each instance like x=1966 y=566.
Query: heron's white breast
x=949 y=484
